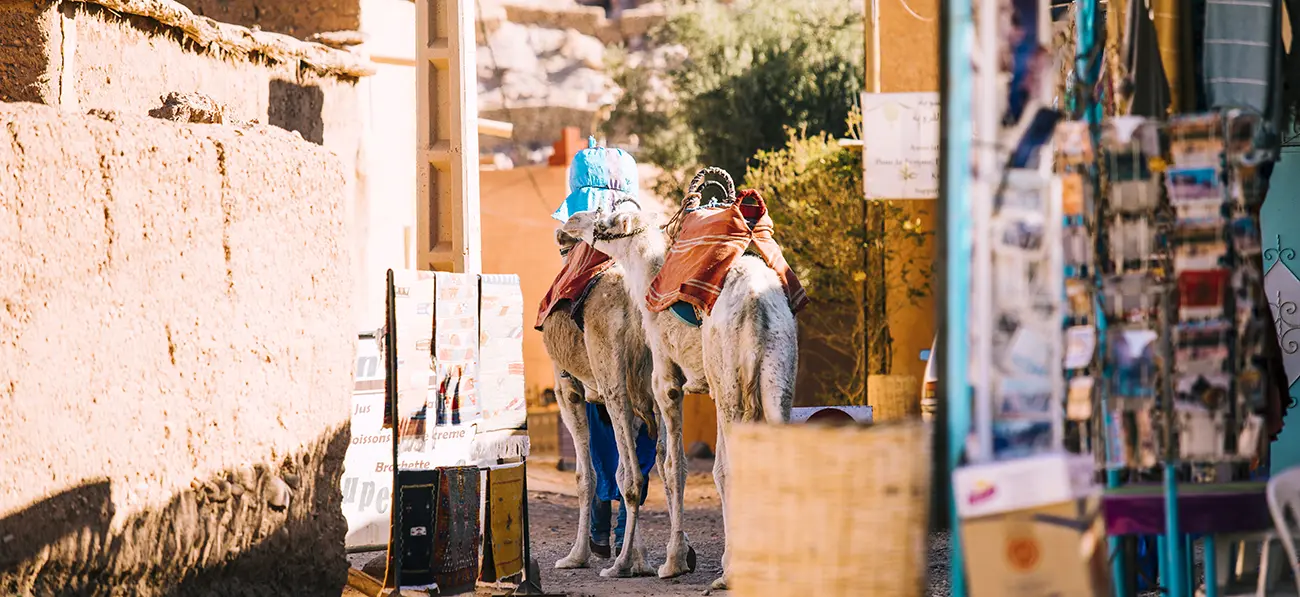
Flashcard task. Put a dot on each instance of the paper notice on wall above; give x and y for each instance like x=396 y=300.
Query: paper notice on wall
x=900 y=154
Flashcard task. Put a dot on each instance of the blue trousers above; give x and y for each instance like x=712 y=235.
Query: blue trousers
x=601 y=513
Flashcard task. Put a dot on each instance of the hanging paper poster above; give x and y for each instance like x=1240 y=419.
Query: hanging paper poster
x=900 y=155
x=502 y=431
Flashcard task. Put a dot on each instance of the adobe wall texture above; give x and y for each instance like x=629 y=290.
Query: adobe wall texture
x=300 y=19
x=175 y=358
x=84 y=56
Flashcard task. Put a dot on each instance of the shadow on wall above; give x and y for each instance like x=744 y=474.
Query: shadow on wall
x=295 y=107
x=235 y=534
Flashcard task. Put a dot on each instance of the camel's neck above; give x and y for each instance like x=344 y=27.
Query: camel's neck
x=642 y=261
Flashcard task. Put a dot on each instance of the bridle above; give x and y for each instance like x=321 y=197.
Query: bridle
x=601 y=236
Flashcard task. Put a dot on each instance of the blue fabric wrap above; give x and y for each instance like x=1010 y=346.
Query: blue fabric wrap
x=597 y=178
x=604 y=455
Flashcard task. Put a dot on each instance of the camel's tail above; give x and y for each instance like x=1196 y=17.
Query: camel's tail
x=769 y=380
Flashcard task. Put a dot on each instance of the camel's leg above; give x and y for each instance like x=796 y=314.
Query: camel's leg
x=668 y=400
x=573 y=410
x=631 y=561
x=727 y=396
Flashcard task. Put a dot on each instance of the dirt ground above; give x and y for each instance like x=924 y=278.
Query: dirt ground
x=553 y=514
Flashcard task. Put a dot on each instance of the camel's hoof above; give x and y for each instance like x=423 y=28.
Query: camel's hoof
x=571 y=563
x=672 y=569
x=617 y=571
x=691 y=560
x=643 y=569
x=720 y=584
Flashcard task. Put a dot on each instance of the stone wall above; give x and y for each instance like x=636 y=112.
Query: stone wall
x=175 y=358
x=301 y=19
x=124 y=55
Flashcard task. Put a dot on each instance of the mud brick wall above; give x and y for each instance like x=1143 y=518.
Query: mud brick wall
x=298 y=18
x=124 y=55
x=175 y=358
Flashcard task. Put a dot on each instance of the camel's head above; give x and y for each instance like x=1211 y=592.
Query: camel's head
x=565 y=241
x=610 y=232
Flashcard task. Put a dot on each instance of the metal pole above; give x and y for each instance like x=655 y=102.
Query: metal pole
x=955 y=31
x=390 y=389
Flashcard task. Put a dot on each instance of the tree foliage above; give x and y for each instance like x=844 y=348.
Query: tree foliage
x=744 y=73
x=851 y=254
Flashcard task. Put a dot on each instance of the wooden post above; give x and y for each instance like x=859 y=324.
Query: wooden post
x=447 y=189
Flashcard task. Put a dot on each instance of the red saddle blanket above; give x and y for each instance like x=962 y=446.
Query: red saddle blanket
x=583 y=265
x=711 y=239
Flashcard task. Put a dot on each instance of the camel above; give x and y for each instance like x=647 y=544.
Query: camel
x=604 y=361
x=746 y=350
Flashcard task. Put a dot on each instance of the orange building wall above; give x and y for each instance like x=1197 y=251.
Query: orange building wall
x=519 y=238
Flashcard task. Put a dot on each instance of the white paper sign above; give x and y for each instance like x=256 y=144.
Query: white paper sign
x=900 y=155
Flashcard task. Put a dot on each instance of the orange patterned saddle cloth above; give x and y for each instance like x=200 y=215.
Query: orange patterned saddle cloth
x=710 y=241
x=583 y=266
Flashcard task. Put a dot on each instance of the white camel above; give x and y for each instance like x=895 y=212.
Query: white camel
x=746 y=349
x=607 y=361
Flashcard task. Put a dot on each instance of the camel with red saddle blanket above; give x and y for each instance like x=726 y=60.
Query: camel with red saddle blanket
x=738 y=330
x=594 y=336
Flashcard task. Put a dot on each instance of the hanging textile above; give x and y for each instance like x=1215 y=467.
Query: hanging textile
x=1148 y=84
x=1168 y=15
x=1242 y=54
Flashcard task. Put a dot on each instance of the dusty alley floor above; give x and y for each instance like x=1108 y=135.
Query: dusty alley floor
x=553 y=510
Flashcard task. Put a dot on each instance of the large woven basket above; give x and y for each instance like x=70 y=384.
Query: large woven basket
x=893 y=397
x=828 y=511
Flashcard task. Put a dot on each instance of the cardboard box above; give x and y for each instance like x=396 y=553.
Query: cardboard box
x=1056 y=550
x=1032 y=527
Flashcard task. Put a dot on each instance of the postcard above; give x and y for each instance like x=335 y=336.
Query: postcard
x=1248 y=440
x=1200 y=433
x=1133 y=357
x=1072 y=194
x=1074 y=142
x=1210 y=391
x=1201 y=294
x=1023 y=232
x=1135 y=196
x=1029 y=351
x=1023 y=398
x=1131 y=241
x=1079 y=295
x=1193 y=185
x=1077 y=245
x=1078 y=398
x=1080 y=346
x=1245 y=235
x=1017 y=439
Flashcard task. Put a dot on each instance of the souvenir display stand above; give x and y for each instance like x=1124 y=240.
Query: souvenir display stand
x=1105 y=274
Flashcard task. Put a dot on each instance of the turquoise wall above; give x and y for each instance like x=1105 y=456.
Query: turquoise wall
x=1280 y=218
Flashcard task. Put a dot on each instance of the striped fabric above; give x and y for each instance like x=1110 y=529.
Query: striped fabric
x=711 y=239
x=1242 y=54
x=582 y=267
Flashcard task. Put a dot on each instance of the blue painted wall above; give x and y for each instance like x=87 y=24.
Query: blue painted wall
x=1281 y=216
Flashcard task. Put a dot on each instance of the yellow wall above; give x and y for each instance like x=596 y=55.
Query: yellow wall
x=909 y=61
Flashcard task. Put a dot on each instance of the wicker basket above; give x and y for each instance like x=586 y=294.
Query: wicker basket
x=828 y=511
x=893 y=397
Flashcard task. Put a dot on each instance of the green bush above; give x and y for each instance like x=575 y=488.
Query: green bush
x=838 y=243
x=749 y=72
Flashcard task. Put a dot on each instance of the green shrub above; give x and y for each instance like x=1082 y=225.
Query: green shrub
x=749 y=72
x=838 y=243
